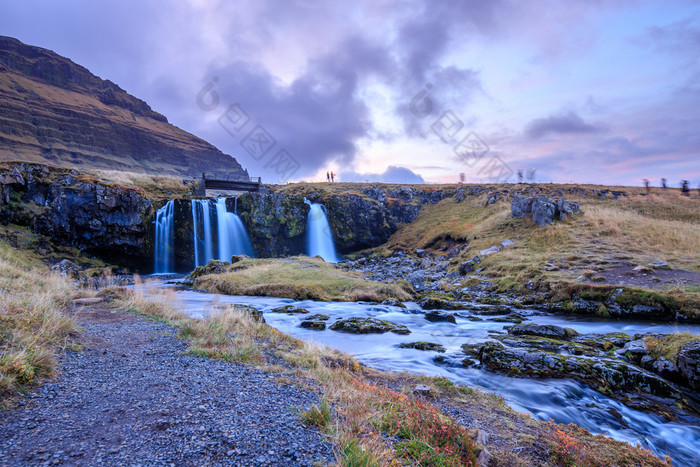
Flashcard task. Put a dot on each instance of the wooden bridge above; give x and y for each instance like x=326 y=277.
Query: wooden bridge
x=253 y=184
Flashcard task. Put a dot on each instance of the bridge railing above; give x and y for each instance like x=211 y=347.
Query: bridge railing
x=237 y=178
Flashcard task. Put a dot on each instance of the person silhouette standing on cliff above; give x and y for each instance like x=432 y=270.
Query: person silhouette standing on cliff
x=332 y=176
x=646 y=185
x=663 y=184
x=328 y=177
x=684 y=188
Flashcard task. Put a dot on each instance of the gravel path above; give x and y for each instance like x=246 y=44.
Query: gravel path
x=132 y=398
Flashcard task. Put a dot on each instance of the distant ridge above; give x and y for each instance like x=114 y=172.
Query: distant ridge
x=55 y=111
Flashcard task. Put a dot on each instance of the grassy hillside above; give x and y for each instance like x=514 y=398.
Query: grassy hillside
x=55 y=111
x=636 y=229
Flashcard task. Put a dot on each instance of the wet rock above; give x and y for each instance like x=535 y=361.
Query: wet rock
x=238 y=258
x=634 y=350
x=393 y=302
x=542 y=330
x=606 y=342
x=512 y=317
x=368 y=326
x=434 y=303
x=290 y=309
x=435 y=316
x=688 y=361
x=665 y=368
x=313 y=324
x=214 y=266
x=615 y=374
x=427 y=346
x=317 y=317
x=420 y=253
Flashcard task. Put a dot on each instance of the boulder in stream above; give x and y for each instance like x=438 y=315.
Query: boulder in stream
x=368 y=326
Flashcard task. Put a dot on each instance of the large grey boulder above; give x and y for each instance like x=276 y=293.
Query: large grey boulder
x=543 y=210
x=520 y=206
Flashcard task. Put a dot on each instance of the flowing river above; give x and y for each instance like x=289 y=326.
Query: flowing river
x=563 y=400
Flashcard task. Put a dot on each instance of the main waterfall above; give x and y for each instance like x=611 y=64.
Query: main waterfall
x=165 y=228
x=233 y=239
x=201 y=227
x=319 y=238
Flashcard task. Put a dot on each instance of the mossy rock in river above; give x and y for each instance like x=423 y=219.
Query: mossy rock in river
x=368 y=326
x=214 y=266
x=612 y=374
x=312 y=324
x=436 y=303
x=317 y=317
x=435 y=316
x=542 y=330
x=289 y=309
x=428 y=346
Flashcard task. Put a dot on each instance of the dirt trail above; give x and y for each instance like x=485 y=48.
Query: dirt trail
x=132 y=397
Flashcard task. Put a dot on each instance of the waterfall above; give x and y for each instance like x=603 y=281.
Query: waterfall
x=319 y=238
x=164 y=238
x=233 y=239
x=201 y=227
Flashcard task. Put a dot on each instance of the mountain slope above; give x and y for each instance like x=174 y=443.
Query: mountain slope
x=55 y=111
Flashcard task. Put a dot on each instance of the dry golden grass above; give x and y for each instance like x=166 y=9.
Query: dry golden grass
x=33 y=325
x=299 y=278
x=669 y=345
x=154 y=185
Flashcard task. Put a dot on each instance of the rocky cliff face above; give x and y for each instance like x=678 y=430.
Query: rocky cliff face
x=57 y=112
x=107 y=221
x=276 y=222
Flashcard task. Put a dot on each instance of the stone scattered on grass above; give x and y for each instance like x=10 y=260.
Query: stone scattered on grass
x=659 y=264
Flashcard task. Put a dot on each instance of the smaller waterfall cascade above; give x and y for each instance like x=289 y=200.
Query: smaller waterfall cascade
x=164 y=253
x=233 y=238
x=319 y=238
x=202 y=236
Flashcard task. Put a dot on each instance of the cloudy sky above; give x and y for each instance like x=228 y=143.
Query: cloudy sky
x=585 y=91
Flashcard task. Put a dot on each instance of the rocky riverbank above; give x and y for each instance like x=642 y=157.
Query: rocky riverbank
x=131 y=396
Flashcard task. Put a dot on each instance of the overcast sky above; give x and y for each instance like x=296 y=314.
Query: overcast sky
x=585 y=91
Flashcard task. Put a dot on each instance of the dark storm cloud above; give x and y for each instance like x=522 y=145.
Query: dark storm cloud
x=392 y=174
x=563 y=123
x=318 y=117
